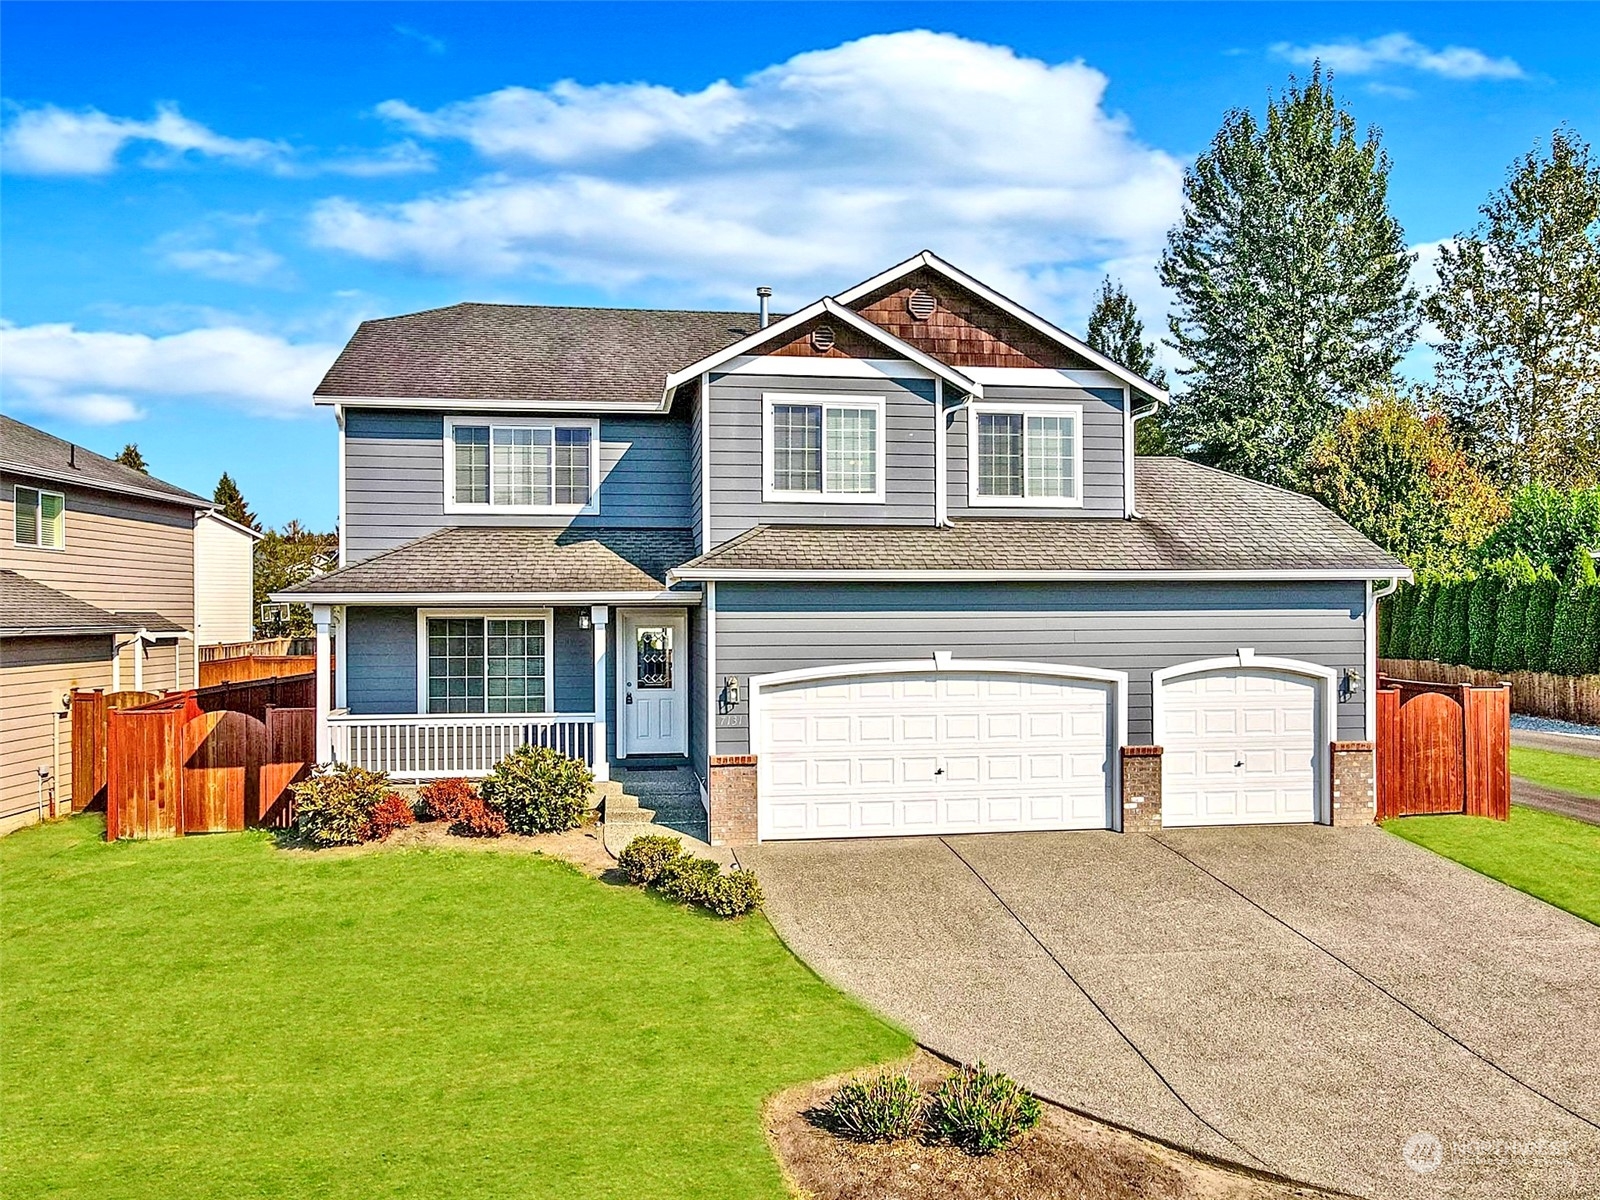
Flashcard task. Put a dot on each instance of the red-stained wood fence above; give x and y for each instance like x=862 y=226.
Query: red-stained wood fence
x=89 y=710
x=1443 y=748
x=257 y=666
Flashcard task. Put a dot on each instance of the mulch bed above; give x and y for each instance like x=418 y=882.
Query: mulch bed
x=1068 y=1157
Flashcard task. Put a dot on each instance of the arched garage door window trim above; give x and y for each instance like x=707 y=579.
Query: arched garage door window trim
x=943 y=662
x=1327 y=715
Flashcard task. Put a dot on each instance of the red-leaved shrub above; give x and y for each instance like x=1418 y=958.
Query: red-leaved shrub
x=389 y=814
x=478 y=820
x=447 y=799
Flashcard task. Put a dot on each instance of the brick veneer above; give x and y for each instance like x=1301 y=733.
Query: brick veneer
x=1355 y=783
x=1141 y=789
x=732 y=819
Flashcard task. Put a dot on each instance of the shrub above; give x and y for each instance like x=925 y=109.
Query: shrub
x=1540 y=620
x=1591 y=641
x=687 y=879
x=447 y=799
x=1456 y=612
x=538 y=790
x=1518 y=576
x=1403 y=601
x=733 y=894
x=334 y=806
x=1483 y=603
x=648 y=855
x=1422 y=621
x=478 y=820
x=389 y=814
x=886 y=1108
x=981 y=1110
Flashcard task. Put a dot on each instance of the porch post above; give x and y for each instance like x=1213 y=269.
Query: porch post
x=600 y=617
x=340 y=658
x=321 y=615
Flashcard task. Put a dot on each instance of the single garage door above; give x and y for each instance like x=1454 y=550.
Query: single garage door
x=1239 y=748
x=925 y=752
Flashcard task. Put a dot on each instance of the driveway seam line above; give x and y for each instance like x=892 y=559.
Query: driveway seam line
x=1104 y=1015
x=1376 y=986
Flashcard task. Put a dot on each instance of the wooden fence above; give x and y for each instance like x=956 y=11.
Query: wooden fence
x=257 y=666
x=89 y=710
x=1534 y=693
x=255 y=696
x=1443 y=748
x=291 y=646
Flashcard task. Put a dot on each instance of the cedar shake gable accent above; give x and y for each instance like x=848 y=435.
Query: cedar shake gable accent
x=848 y=343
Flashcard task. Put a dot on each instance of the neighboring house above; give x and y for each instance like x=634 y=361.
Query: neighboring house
x=887 y=565
x=224 y=579
x=97 y=590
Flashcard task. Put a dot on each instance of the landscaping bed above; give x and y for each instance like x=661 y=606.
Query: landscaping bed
x=1065 y=1156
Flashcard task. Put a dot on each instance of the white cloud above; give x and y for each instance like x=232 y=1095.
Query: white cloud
x=104 y=376
x=251 y=265
x=58 y=141
x=1354 y=57
x=401 y=158
x=802 y=175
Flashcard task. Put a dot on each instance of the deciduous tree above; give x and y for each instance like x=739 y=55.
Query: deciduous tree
x=1117 y=332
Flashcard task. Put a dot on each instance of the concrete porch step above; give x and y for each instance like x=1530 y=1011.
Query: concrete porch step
x=616 y=835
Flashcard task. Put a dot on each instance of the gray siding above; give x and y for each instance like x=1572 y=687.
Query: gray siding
x=1104 y=481
x=1137 y=628
x=698 y=681
x=381 y=658
x=394 y=479
x=736 y=466
x=696 y=475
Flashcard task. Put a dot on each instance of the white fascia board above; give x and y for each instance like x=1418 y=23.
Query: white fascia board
x=488 y=599
x=795 y=575
x=832 y=368
x=483 y=406
x=214 y=515
x=740 y=348
x=1044 y=377
x=959 y=277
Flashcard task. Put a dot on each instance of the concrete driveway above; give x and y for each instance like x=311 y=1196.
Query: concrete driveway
x=1304 y=1000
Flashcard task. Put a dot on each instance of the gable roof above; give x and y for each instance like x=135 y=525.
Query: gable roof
x=529 y=356
x=1194 y=521
x=254 y=535
x=29 y=608
x=928 y=260
x=30 y=451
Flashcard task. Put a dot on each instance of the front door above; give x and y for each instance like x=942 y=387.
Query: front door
x=653 y=681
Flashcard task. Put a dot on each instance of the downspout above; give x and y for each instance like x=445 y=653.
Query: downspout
x=1138 y=415
x=1373 y=596
x=941 y=470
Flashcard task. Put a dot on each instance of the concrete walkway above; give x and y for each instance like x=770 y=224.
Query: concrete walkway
x=1300 y=999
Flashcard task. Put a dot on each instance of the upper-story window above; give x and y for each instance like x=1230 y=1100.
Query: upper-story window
x=516 y=465
x=1026 y=454
x=823 y=448
x=41 y=519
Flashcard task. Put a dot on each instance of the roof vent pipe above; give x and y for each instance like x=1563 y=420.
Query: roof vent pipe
x=763 y=294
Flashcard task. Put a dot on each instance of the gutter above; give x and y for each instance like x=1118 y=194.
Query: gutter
x=73 y=477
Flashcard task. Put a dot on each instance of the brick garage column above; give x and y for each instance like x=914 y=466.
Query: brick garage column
x=732 y=819
x=1141 y=789
x=1355 y=783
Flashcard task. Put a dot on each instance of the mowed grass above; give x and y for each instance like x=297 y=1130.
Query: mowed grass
x=213 y=1017
x=1569 y=772
x=1552 y=857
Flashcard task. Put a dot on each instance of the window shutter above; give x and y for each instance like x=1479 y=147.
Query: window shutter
x=52 y=520
x=27 y=519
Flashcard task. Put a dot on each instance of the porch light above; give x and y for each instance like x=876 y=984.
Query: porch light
x=730 y=691
x=583 y=618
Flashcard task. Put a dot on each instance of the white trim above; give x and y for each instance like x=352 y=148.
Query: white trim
x=864 y=575
x=941 y=452
x=600 y=622
x=1045 y=377
x=824 y=401
x=713 y=686
x=452 y=505
x=705 y=463
x=344 y=529
x=1127 y=452
x=1006 y=305
x=321 y=614
x=214 y=515
x=832 y=368
x=479 y=404
x=341 y=658
x=1133 y=440
x=500 y=600
x=1373 y=596
x=623 y=654
x=1327 y=716
x=543 y=614
x=1025 y=410
x=943 y=661
x=38 y=520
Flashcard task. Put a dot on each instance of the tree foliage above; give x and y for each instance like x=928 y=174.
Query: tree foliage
x=1290 y=281
x=1400 y=478
x=130 y=457
x=1518 y=313
x=231 y=504
x=283 y=558
x=1117 y=332
x=1547 y=525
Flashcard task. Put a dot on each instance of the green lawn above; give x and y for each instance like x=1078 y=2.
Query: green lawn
x=1552 y=857
x=1569 y=772
x=212 y=1017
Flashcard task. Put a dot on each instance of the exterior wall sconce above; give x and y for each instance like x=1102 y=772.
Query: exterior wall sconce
x=730 y=691
x=583 y=618
x=1352 y=683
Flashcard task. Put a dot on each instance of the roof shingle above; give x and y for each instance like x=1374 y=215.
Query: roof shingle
x=24 y=448
x=29 y=608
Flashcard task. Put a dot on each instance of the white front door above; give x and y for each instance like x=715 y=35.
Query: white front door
x=652 y=681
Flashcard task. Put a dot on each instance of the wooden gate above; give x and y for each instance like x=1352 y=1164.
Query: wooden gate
x=1443 y=748
x=222 y=760
x=89 y=709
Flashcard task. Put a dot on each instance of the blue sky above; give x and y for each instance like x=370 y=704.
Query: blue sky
x=201 y=201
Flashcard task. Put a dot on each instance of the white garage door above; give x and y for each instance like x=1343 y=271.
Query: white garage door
x=933 y=752
x=1239 y=748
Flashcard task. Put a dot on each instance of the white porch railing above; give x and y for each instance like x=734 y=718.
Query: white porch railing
x=438 y=747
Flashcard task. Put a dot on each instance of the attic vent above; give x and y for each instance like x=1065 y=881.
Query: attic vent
x=822 y=338
x=921 y=305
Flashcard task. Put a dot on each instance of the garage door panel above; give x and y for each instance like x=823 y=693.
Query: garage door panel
x=950 y=751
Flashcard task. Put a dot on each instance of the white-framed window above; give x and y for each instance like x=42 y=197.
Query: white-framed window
x=1025 y=454
x=822 y=448
x=514 y=464
x=40 y=519
x=484 y=662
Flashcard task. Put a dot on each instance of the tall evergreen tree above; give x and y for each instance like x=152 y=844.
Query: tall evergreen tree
x=130 y=457
x=231 y=504
x=1290 y=277
x=1117 y=332
x=1518 y=310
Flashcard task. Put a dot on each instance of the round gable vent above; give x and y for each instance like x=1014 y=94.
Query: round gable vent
x=822 y=338
x=921 y=305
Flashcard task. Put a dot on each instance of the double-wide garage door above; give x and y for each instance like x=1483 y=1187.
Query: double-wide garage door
x=930 y=751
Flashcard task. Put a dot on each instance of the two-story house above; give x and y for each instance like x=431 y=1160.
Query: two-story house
x=886 y=565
